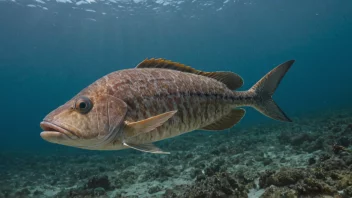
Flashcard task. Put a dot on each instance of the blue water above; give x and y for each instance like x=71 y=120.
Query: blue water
x=47 y=55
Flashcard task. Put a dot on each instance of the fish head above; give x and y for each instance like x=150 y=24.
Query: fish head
x=89 y=120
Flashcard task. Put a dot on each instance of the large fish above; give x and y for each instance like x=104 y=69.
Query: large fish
x=158 y=99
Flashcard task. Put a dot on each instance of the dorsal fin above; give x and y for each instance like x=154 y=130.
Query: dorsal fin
x=227 y=121
x=230 y=79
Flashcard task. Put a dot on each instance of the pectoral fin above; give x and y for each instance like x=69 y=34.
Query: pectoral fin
x=144 y=126
x=148 y=147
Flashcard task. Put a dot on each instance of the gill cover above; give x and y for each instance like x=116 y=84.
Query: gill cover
x=110 y=112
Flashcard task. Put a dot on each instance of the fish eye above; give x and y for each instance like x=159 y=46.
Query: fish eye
x=83 y=105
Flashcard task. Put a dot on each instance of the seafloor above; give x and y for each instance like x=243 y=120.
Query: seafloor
x=307 y=158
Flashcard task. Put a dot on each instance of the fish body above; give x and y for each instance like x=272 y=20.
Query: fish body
x=158 y=99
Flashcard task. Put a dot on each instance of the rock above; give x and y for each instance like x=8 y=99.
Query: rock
x=195 y=172
x=77 y=193
x=347 y=193
x=6 y=192
x=277 y=192
x=54 y=181
x=283 y=177
x=160 y=173
x=85 y=173
x=322 y=180
x=215 y=152
x=345 y=180
x=218 y=185
x=319 y=174
x=336 y=129
x=23 y=193
x=81 y=192
x=314 y=145
x=118 y=183
x=189 y=156
x=348 y=129
x=347 y=159
x=37 y=193
x=344 y=141
x=169 y=194
x=214 y=167
x=324 y=156
x=311 y=186
x=99 y=191
x=246 y=176
x=263 y=183
x=333 y=164
x=298 y=139
x=284 y=137
x=102 y=169
x=118 y=195
x=129 y=177
x=200 y=177
x=154 y=189
x=267 y=161
x=311 y=161
x=99 y=181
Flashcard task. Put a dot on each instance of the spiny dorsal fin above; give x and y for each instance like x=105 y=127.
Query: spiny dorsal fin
x=230 y=79
x=227 y=121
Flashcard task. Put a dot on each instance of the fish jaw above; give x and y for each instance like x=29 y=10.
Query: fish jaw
x=59 y=135
x=56 y=134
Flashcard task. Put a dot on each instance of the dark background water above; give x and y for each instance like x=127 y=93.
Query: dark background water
x=47 y=56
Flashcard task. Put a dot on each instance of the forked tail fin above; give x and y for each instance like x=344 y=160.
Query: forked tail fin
x=265 y=88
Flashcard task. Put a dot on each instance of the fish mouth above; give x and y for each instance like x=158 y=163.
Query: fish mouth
x=51 y=129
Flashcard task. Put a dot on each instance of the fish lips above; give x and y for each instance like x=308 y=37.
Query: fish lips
x=54 y=133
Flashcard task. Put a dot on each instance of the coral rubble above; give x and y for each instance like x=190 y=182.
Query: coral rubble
x=308 y=158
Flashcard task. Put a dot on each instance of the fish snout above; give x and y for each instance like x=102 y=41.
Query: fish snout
x=53 y=132
x=54 y=137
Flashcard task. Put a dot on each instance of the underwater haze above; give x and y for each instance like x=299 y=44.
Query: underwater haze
x=50 y=50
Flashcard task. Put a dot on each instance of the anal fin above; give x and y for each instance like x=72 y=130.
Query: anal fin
x=227 y=121
x=148 y=147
